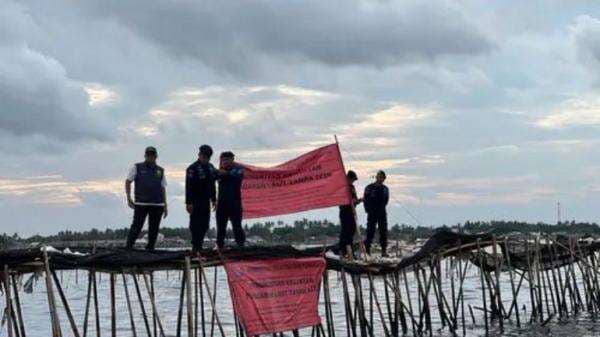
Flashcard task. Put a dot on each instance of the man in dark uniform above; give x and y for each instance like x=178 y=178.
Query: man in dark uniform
x=150 y=197
x=376 y=199
x=348 y=215
x=200 y=192
x=229 y=204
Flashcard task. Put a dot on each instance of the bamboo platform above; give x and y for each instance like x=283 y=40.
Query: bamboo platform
x=554 y=277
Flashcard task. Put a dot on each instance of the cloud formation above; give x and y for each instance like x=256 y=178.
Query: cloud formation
x=38 y=97
x=474 y=110
x=235 y=35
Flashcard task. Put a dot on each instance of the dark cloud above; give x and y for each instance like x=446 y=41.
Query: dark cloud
x=37 y=96
x=234 y=35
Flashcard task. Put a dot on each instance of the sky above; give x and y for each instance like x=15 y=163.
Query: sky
x=476 y=110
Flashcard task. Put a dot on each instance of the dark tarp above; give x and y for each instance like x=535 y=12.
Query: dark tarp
x=442 y=240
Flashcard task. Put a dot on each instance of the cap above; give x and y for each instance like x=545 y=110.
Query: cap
x=206 y=150
x=151 y=150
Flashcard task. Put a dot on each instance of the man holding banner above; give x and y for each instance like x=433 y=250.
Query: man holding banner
x=314 y=180
x=282 y=294
x=200 y=192
x=278 y=294
x=348 y=215
x=229 y=204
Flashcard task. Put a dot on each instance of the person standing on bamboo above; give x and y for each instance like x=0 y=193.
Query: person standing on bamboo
x=348 y=215
x=229 y=204
x=200 y=192
x=376 y=198
x=150 y=197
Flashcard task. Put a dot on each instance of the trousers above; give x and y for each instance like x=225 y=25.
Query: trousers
x=377 y=220
x=230 y=212
x=199 y=224
x=140 y=213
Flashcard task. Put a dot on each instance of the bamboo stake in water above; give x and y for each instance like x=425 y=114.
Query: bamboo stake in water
x=485 y=316
x=188 y=290
x=180 y=310
x=56 y=331
x=113 y=310
x=150 y=290
x=142 y=306
x=211 y=298
x=18 y=303
x=497 y=264
x=65 y=304
x=9 y=324
x=512 y=282
x=129 y=306
x=87 y=305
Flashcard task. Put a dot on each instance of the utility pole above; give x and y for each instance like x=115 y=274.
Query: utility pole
x=558 y=215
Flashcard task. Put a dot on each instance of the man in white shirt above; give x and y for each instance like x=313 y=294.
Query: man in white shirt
x=150 y=197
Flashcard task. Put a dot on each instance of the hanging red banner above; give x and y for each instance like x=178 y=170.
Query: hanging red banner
x=276 y=295
x=311 y=181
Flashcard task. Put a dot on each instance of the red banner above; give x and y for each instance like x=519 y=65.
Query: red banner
x=276 y=295
x=313 y=180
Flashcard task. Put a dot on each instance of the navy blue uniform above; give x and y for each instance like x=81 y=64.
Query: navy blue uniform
x=200 y=190
x=347 y=222
x=376 y=198
x=149 y=200
x=229 y=205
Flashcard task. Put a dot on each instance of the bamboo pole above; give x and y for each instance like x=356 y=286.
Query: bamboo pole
x=350 y=323
x=327 y=300
x=150 y=290
x=540 y=303
x=180 y=310
x=142 y=306
x=96 y=309
x=485 y=315
x=8 y=311
x=87 y=305
x=359 y=306
x=214 y=310
x=378 y=307
x=410 y=307
x=392 y=319
x=202 y=315
x=461 y=295
x=454 y=309
x=18 y=304
x=512 y=283
x=196 y=304
x=56 y=331
x=497 y=264
x=560 y=295
x=530 y=281
x=211 y=297
x=155 y=319
x=129 y=306
x=113 y=305
x=66 y=305
x=188 y=288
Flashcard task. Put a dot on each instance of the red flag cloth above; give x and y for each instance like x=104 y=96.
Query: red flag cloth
x=313 y=180
x=276 y=295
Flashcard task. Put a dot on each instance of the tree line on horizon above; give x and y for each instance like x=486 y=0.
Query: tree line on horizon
x=315 y=231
